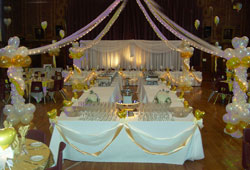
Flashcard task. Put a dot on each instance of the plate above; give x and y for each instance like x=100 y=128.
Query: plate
x=36 y=144
x=36 y=158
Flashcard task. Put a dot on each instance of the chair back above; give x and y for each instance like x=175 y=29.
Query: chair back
x=36 y=135
x=57 y=85
x=36 y=86
x=223 y=88
x=246 y=149
x=59 y=157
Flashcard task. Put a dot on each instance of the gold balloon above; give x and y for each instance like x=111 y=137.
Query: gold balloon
x=186 y=54
x=233 y=63
x=245 y=61
x=7 y=136
x=242 y=125
x=75 y=95
x=52 y=114
x=122 y=114
x=26 y=61
x=230 y=128
x=18 y=61
x=182 y=95
x=86 y=87
x=173 y=88
x=5 y=62
x=199 y=114
x=186 y=104
x=67 y=103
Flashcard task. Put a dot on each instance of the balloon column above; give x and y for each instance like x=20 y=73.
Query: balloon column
x=185 y=79
x=14 y=58
x=238 y=112
x=54 y=52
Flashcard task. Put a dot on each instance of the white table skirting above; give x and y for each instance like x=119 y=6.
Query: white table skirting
x=96 y=134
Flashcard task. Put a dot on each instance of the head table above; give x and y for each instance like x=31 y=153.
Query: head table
x=128 y=140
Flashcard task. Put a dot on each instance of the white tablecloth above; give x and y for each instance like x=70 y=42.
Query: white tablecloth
x=177 y=74
x=148 y=92
x=106 y=94
x=123 y=149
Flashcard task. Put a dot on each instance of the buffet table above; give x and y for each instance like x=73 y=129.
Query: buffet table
x=153 y=135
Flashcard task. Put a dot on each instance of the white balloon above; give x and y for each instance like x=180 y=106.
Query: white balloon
x=19 y=109
x=30 y=108
x=26 y=118
x=8 y=109
x=229 y=53
x=10 y=51
x=14 y=41
x=23 y=51
x=13 y=119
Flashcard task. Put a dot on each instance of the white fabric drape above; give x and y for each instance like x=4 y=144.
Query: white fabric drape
x=131 y=54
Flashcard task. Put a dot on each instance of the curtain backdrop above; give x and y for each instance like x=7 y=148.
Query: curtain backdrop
x=129 y=54
x=131 y=24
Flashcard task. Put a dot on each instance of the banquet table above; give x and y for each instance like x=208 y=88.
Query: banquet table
x=106 y=94
x=150 y=134
x=26 y=162
x=148 y=92
x=177 y=74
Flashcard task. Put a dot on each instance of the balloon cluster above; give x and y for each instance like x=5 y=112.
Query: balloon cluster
x=18 y=111
x=186 y=54
x=74 y=52
x=199 y=114
x=238 y=112
x=13 y=55
x=237 y=6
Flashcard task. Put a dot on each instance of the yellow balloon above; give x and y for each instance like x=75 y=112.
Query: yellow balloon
x=230 y=128
x=26 y=61
x=67 y=103
x=242 y=125
x=44 y=25
x=199 y=114
x=7 y=136
x=5 y=62
x=75 y=95
x=122 y=114
x=18 y=61
x=245 y=61
x=216 y=20
x=52 y=114
x=62 y=33
x=186 y=104
x=197 y=24
x=186 y=54
x=233 y=63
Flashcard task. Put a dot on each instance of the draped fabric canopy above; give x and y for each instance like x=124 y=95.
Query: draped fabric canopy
x=128 y=54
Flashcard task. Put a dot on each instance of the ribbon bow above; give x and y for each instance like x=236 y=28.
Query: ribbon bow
x=5 y=158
